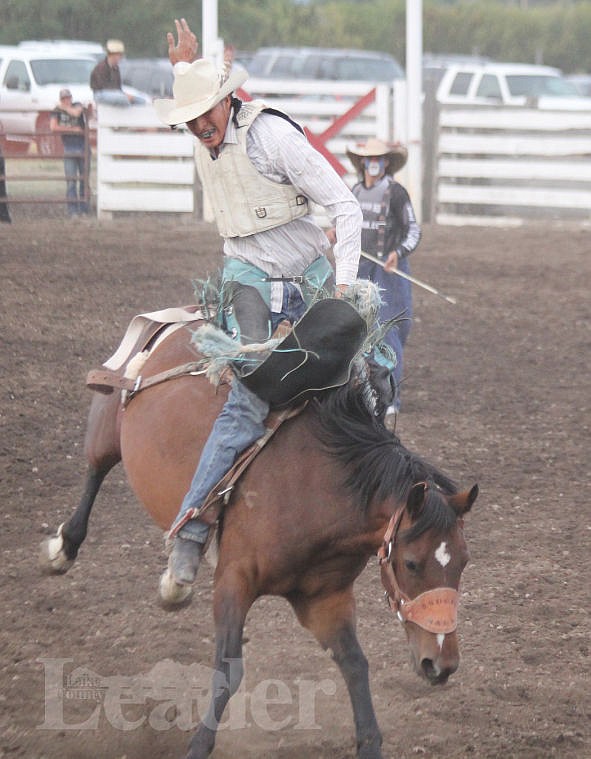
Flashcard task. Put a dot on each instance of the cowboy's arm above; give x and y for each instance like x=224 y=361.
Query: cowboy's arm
x=187 y=46
x=344 y=213
x=311 y=173
x=406 y=227
x=55 y=126
x=331 y=236
x=74 y=110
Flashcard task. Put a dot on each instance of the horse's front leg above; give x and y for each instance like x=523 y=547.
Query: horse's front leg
x=332 y=620
x=103 y=451
x=352 y=662
x=231 y=603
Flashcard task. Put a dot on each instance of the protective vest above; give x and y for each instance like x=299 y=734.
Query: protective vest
x=243 y=200
x=374 y=202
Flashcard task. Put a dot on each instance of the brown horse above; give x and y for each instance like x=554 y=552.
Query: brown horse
x=331 y=488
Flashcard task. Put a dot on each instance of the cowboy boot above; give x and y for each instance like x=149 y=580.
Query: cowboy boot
x=177 y=580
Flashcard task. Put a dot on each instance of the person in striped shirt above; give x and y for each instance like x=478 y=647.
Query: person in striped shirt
x=260 y=177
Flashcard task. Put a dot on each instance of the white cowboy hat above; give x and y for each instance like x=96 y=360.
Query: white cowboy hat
x=395 y=152
x=115 y=46
x=197 y=87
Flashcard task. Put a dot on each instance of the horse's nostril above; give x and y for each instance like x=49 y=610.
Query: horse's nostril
x=428 y=668
x=434 y=674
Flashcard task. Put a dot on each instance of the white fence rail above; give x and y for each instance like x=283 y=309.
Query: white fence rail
x=506 y=165
x=142 y=165
x=490 y=164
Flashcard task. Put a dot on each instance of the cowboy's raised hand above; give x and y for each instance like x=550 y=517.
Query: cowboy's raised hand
x=186 y=49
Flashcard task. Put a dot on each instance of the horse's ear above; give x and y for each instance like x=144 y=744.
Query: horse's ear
x=416 y=500
x=462 y=502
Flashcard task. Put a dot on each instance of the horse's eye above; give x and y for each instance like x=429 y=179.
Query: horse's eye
x=410 y=565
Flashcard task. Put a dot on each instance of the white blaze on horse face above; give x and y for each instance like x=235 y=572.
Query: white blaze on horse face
x=442 y=554
x=440 y=639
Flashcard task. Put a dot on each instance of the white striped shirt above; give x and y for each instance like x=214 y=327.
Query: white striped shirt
x=281 y=153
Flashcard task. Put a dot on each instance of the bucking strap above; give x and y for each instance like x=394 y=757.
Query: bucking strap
x=105 y=381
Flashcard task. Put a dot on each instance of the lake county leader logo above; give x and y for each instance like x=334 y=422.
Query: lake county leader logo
x=174 y=695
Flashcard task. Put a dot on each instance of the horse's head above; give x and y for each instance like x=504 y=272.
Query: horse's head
x=422 y=561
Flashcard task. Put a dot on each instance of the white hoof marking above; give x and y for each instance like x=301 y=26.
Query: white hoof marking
x=171 y=592
x=52 y=557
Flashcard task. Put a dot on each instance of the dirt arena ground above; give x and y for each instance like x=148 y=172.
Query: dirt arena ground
x=497 y=392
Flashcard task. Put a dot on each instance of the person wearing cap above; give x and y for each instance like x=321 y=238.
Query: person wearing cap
x=260 y=176
x=68 y=120
x=105 y=78
x=391 y=233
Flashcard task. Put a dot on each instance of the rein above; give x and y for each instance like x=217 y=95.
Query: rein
x=435 y=610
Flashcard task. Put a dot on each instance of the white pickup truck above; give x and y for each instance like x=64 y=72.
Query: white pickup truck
x=509 y=84
x=31 y=76
x=30 y=81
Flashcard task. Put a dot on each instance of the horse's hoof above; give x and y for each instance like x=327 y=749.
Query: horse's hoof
x=173 y=596
x=52 y=557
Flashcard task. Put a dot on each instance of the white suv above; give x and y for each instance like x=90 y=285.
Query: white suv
x=30 y=81
x=509 y=84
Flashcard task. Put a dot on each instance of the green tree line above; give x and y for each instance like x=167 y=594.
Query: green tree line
x=556 y=33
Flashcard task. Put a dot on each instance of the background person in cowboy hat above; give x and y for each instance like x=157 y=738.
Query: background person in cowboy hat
x=259 y=173
x=105 y=78
x=390 y=232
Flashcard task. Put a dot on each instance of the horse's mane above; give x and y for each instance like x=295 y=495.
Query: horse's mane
x=377 y=464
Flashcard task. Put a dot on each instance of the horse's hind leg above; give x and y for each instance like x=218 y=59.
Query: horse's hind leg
x=102 y=449
x=332 y=620
x=231 y=604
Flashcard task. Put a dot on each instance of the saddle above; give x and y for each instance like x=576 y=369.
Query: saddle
x=142 y=334
x=315 y=355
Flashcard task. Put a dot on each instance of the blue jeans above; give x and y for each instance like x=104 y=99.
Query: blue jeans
x=397 y=296
x=117 y=97
x=239 y=424
x=75 y=185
